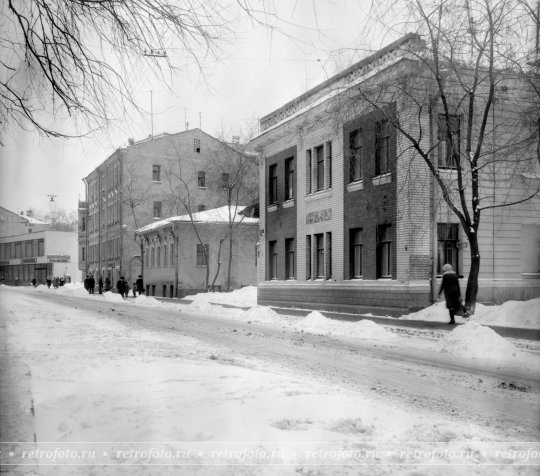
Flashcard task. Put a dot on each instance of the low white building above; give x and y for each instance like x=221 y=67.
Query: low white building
x=39 y=255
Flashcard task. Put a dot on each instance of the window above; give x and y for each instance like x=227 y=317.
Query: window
x=329 y=255
x=165 y=256
x=382 y=159
x=158 y=256
x=18 y=250
x=146 y=252
x=384 y=251
x=201 y=208
x=272 y=184
x=308 y=256
x=83 y=226
x=153 y=257
x=201 y=179
x=328 y=153
x=355 y=259
x=356 y=153
x=171 y=257
x=156 y=173
x=308 y=171
x=319 y=158
x=197 y=145
x=202 y=254
x=319 y=258
x=225 y=180
x=157 y=209
x=272 y=259
x=83 y=254
x=289 y=258
x=447 y=249
x=289 y=178
x=449 y=147
x=41 y=247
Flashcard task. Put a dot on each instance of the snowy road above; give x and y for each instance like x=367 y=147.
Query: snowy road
x=105 y=371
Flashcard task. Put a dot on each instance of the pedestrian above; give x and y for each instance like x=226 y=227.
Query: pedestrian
x=91 y=284
x=126 y=289
x=134 y=290
x=34 y=281
x=140 y=285
x=100 y=285
x=49 y=282
x=452 y=291
x=86 y=283
x=107 y=283
x=120 y=286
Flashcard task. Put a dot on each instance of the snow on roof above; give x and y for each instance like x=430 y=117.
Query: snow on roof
x=33 y=221
x=214 y=215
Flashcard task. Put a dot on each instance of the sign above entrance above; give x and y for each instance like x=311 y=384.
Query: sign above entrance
x=58 y=258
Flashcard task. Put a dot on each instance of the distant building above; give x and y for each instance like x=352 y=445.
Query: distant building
x=39 y=255
x=144 y=183
x=348 y=219
x=12 y=223
x=179 y=250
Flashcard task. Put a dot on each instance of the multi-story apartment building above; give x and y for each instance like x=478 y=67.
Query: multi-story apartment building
x=159 y=177
x=349 y=216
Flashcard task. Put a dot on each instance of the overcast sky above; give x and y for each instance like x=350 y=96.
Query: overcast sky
x=258 y=73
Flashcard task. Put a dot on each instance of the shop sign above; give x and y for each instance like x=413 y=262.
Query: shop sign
x=58 y=258
x=4 y=263
x=28 y=260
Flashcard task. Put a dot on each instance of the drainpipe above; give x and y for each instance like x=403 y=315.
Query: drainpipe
x=434 y=243
x=86 y=216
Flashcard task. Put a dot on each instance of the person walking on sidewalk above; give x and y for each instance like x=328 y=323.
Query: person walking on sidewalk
x=452 y=291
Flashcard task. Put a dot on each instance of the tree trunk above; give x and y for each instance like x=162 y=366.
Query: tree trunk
x=229 y=267
x=218 y=265
x=472 y=282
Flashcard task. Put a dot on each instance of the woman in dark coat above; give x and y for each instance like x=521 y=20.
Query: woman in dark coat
x=452 y=291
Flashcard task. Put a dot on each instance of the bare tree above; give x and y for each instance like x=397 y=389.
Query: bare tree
x=61 y=220
x=135 y=194
x=465 y=74
x=72 y=57
x=236 y=170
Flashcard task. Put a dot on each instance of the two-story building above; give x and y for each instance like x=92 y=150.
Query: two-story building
x=351 y=219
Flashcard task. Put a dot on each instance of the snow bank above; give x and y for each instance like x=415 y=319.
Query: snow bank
x=523 y=314
x=510 y=314
x=148 y=301
x=114 y=297
x=316 y=323
x=244 y=297
x=477 y=341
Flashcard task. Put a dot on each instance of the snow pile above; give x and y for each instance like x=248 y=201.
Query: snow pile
x=523 y=314
x=316 y=323
x=72 y=290
x=148 y=301
x=244 y=297
x=510 y=314
x=114 y=297
x=264 y=314
x=477 y=341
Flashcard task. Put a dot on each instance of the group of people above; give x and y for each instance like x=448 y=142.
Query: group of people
x=55 y=282
x=122 y=286
x=90 y=284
